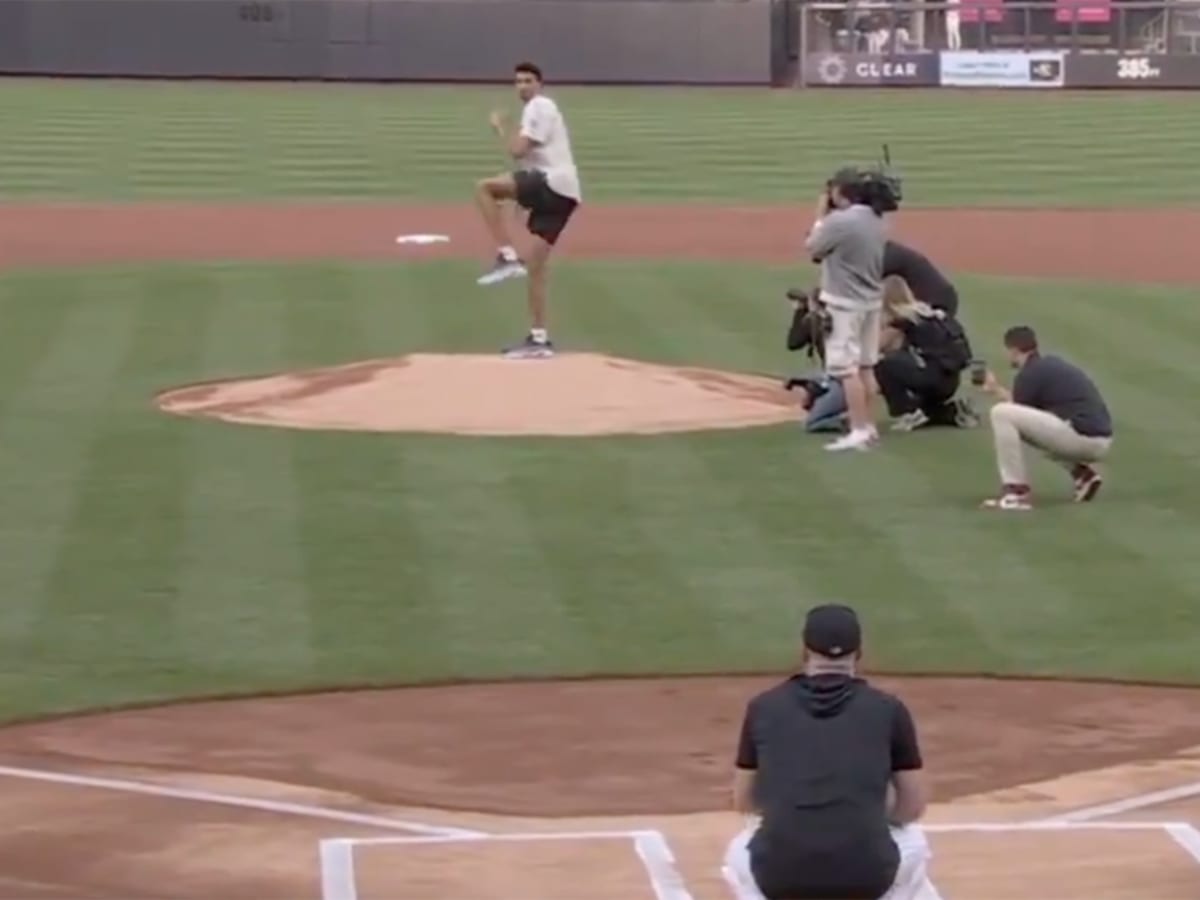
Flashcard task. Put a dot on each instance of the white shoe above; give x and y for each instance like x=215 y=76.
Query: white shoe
x=911 y=421
x=502 y=270
x=855 y=440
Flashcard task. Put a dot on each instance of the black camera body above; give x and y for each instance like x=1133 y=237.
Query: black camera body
x=812 y=325
x=877 y=188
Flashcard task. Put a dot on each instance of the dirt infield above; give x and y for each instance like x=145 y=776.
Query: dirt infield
x=233 y=798
x=1125 y=245
x=598 y=789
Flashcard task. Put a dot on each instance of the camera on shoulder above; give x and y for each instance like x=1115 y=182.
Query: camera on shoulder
x=876 y=187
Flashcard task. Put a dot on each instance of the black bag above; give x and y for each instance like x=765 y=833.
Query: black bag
x=953 y=352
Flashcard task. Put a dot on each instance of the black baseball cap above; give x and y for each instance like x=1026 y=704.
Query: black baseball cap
x=832 y=630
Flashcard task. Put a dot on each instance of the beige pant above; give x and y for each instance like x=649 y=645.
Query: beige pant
x=1014 y=425
x=853 y=341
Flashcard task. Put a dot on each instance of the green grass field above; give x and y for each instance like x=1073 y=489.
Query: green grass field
x=149 y=557
x=151 y=141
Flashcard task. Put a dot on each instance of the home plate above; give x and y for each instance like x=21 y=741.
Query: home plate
x=423 y=239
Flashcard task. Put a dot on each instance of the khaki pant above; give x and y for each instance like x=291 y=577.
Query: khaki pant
x=1014 y=425
x=853 y=341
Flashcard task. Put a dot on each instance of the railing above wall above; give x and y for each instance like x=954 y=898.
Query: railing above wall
x=992 y=43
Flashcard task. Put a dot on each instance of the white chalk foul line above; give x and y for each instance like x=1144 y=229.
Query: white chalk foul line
x=1187 y=837
x=337 y=862
x=234 y=800
x=1129 y=804
x=660 y=865
x=987 y=827
x=496 y=837
x=337 y=870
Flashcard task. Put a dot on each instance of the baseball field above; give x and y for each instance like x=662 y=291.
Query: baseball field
x=308 y=594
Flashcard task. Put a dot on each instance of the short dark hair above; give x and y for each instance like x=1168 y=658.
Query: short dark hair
x=1021 y=337
x=528 y=68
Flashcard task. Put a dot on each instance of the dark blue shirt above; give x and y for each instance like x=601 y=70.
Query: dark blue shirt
x=1052 y=384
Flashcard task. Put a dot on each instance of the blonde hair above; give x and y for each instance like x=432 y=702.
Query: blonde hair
x=899 y=302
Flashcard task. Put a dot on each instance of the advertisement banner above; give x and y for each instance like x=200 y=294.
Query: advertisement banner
x=1143 y=70
x=1036 y=69
x=871 y=69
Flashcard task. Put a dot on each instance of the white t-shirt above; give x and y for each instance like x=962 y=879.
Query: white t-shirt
x=543 y=124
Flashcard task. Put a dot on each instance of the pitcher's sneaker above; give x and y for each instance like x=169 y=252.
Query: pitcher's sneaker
x=530 y=349
x=1087 y=483
x=502 y=270
x=1013 y=498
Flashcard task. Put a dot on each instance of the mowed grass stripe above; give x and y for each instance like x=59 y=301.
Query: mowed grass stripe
x=488 y=581
x=634 y=144
x=116 y=574
x=611 y=540
x=243 y=609
x=1116 y=599
x=46 y=417
x=373 y=602
x=1148 y=534
x=760 y=530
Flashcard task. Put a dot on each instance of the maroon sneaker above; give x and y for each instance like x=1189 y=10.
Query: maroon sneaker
x=1087 y=483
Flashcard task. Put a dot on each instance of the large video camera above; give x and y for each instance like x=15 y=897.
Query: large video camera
x=877 y=187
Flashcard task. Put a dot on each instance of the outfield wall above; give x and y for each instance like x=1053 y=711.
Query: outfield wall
x=1046 y=44
x=685 y=41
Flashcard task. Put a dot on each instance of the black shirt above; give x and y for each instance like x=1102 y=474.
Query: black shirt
x=1052 y=384
x=924 y=280
x=824 y=749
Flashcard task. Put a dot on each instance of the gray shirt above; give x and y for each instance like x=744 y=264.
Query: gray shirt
x=848 y=243
x=1052 y=384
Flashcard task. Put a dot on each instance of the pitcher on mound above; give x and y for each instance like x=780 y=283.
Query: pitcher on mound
x=546 y=183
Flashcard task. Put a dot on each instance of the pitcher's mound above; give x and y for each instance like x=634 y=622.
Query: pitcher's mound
x=573 y=394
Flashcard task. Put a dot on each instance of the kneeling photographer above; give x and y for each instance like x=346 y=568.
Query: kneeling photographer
x=821 y=396
x=926 y=352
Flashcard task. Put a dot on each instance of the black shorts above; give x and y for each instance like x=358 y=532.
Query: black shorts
x=861 y=873
x=549 y=212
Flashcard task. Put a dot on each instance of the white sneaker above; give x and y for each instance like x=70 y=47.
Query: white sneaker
x=855 y=440
x=502 y=270
x=911 y=421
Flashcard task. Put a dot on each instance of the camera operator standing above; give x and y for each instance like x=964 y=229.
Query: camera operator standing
x=848 y=241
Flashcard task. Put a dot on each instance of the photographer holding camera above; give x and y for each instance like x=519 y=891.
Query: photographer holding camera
x=847 y=240
x=822 y=398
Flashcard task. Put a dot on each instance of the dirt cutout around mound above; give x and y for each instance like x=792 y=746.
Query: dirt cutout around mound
x=575 y=394
x=636 y=746
x=230 y=798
